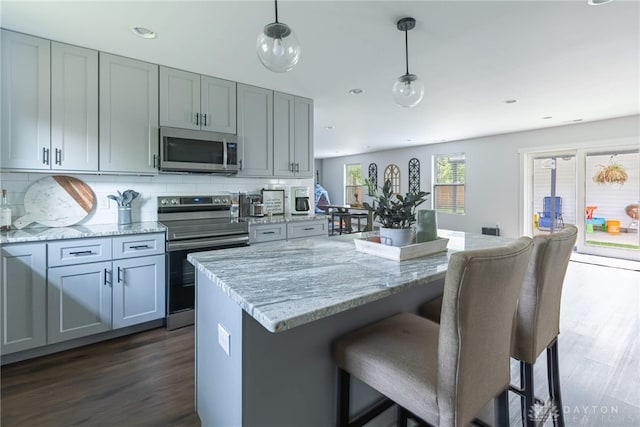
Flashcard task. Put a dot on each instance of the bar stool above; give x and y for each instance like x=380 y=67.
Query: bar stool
x=537 y=319
x=358 y=217
x=442 y=374
x=342 y=218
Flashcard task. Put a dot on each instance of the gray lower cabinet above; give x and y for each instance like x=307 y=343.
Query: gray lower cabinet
x=302 y=229
x=79 y=300
x=138 y=290
x=23 y=297
x=260 y=233
x=255 y=130
x=128 y=115
x=298 y=229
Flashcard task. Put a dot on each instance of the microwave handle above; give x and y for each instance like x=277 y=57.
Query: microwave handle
x=224 y=154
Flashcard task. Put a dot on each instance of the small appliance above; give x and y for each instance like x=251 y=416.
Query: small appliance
x=300 y=200
x=256 y=209
x=194 y=151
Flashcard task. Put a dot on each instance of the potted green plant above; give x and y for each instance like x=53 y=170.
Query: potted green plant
x=396 y=213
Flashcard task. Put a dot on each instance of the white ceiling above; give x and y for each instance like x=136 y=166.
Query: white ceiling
x=562 y=59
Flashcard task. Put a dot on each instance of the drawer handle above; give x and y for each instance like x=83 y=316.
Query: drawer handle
x=268 y=232
x=309 y=228
x=140 y=247
x=82 y=253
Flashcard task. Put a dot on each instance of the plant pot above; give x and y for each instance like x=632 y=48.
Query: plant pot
x=396 y=236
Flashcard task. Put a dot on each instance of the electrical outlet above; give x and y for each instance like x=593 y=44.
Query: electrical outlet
x=224 y=338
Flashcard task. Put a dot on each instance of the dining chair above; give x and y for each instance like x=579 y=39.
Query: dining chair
x=537 y=323
x=442 y=374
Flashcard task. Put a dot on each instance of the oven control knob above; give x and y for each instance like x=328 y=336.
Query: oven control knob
x=174 y=201
x=164 y=202
x=216 y=201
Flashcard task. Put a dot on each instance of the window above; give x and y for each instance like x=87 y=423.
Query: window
x=392 y=172
x=353 y=184
x=449 y=179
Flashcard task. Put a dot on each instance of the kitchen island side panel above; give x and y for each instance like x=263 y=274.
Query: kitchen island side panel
x=218 y=376
x=289 y=378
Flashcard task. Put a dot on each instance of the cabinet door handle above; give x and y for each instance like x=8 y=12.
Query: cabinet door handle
x=106 y=282
x=155 y=158
x=297 y=167
x=197 y=119
x=45 y=155
x=204 y=118
x=82 y=253
x=137 y=247
x=240 y=164
x=58 y=158
x=119 y=277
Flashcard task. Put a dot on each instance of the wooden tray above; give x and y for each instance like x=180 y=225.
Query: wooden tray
x=400 y=253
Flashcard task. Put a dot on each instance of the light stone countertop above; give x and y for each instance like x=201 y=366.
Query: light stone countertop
x=286 y=284
x=36 y=234
x=282 y=219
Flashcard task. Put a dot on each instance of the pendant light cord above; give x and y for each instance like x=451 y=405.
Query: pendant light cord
x=276 y=1
x=406 y=49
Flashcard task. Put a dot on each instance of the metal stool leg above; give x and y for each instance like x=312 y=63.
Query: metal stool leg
x=343 y=398
x=526 y=401
x=553 y=374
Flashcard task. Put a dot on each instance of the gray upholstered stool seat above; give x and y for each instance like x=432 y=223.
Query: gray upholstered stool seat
x=443 y=374
x=537 y=324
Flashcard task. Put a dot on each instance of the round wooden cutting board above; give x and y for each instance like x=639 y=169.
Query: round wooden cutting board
x=56 y=201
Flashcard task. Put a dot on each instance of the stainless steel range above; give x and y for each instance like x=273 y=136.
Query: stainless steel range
x=194 y=224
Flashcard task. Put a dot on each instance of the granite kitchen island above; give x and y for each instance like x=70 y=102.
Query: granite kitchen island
x=266 y=316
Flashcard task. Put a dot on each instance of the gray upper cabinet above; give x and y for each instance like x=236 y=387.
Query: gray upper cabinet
x=293 y=136
x=128 y=115
x=303 y=141
x=23 y=297
x=192 y=101
x=25 y=109
x=255 y=131
x=74 y=108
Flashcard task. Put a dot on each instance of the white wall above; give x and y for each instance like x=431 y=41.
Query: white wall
x=144 y=208
x=493 y=181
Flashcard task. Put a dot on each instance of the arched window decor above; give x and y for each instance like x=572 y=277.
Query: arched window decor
x=373 y=176
x=414 y=176
x=392 y=173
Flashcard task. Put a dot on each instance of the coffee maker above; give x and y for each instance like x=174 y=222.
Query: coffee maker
x=300 y=201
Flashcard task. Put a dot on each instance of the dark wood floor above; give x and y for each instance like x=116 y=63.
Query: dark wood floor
x=147 y=379
x=144 y=379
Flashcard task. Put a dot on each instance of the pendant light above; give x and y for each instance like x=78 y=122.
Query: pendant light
x=408 y=89
x=278 y=47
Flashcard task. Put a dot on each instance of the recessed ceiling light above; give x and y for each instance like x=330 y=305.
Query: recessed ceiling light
x=330 y=127
x=510 y=101
x=576 y=120
x=409 y=140
x=145 y=33
x=356 y=91
x=547 y=118
x=597 y=2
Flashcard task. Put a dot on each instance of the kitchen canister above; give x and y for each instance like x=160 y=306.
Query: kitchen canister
x=124 y=215
x=426 y=226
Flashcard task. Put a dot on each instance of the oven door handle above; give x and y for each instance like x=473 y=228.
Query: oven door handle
x=210 y=243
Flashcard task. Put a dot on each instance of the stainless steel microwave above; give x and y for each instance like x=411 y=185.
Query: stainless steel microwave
x=193 y=151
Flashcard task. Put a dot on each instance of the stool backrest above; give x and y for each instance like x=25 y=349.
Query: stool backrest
x=538 y=313
x=478 y=306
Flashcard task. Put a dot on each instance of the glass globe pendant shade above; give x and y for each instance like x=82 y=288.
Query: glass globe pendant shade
x=278 y=47
x=408 y=90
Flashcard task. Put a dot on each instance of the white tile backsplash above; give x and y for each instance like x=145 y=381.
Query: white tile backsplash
x=145 y=206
